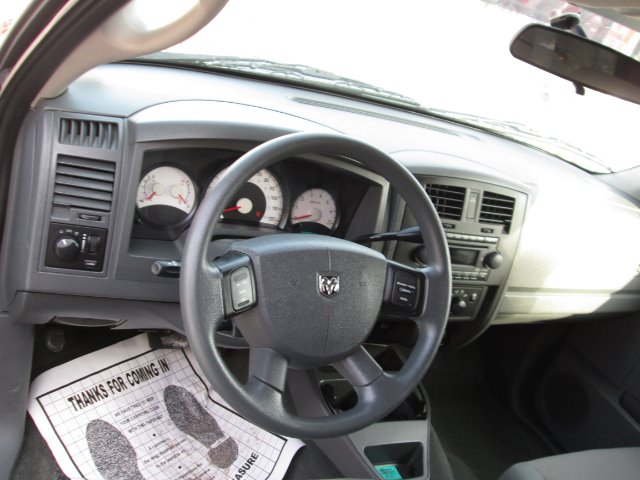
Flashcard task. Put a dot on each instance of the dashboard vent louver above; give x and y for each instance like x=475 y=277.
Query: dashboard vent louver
x=89 y=133
x=84 y=183
x=447 y=199
x=497 y=209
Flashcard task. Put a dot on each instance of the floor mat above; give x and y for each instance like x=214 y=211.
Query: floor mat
x=128 y=412
x=474 y=426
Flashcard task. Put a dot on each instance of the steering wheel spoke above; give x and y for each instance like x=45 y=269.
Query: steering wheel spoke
x=405 y=290
x=269 y=367
x=266 y=382
x=360 y=369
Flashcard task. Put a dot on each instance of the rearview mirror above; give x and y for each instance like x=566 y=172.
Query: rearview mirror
x=580 y=60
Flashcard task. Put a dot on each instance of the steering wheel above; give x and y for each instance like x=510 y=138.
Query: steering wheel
x=304 y=301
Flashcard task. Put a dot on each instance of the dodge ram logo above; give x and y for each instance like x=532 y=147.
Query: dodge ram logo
x=328 y=285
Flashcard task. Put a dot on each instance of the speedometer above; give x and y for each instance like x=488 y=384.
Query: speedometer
x=260 y=200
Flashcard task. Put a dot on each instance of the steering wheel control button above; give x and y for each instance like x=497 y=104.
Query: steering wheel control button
x=242 y=295
x=405 y=290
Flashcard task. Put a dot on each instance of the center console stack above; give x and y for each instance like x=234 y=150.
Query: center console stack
x=482 y=225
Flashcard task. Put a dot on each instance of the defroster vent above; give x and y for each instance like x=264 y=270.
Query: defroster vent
x=84 y=183
x=448 y=200
x=89 y=133
x=497 y=209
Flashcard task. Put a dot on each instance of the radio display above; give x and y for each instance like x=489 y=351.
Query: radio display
x=463 y=256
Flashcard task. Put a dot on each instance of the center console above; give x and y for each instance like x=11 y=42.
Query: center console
x=395 y=447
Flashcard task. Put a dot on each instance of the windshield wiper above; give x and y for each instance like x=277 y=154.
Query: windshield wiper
x=524 y=134
x=292 y=72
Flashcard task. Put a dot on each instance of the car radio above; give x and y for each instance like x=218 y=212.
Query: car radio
x=482 y=227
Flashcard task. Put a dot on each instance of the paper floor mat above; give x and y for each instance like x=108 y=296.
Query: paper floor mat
x=130 y=413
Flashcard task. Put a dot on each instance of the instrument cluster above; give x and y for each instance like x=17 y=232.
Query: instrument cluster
x=295 y=195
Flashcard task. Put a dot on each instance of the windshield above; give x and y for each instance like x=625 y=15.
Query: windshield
x=448 y=57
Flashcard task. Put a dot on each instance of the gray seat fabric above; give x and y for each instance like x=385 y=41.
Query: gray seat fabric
x=609 y=464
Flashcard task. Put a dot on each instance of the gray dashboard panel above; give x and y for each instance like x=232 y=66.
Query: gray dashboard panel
x=36 y=293
x=578 y=251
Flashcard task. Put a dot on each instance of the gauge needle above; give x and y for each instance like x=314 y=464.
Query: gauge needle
x=150 y=196
x=182 y=198
x=231 y=209
x=300 y=217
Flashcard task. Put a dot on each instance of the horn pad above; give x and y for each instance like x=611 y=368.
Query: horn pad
x=318 y=297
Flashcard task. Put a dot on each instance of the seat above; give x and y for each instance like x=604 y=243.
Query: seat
x=608 y=464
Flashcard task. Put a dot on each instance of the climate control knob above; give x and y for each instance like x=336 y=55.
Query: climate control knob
x=458 y=306
x=66 y=248
x=493 y=260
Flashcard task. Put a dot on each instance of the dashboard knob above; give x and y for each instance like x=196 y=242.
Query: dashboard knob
x=93 y=243
x=458 y=306
x=66 y=248
x=493 y=260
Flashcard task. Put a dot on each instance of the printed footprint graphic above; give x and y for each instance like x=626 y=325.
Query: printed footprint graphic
x=112 y=453
x=191 y=418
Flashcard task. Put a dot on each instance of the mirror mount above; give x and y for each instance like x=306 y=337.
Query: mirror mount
x=571 y=23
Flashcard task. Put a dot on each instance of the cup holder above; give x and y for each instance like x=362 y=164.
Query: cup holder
x=340 y=396
x=398 y=460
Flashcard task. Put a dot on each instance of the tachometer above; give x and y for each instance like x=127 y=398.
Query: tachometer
x=260 y=200
x=314 y=211
x=166 y=197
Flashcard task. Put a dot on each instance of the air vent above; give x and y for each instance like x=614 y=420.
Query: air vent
x=88 y=133
x=84 y=183
x=497 y=209
x=447 y=199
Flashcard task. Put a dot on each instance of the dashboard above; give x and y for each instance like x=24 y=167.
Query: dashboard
x=110 y=174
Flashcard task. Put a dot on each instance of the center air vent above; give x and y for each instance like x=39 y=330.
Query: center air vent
x=447 y=199
x=84 y=183
x=88 y=133
x=497 y=209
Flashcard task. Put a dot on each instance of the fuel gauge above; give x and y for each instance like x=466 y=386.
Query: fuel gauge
x=166 y=197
